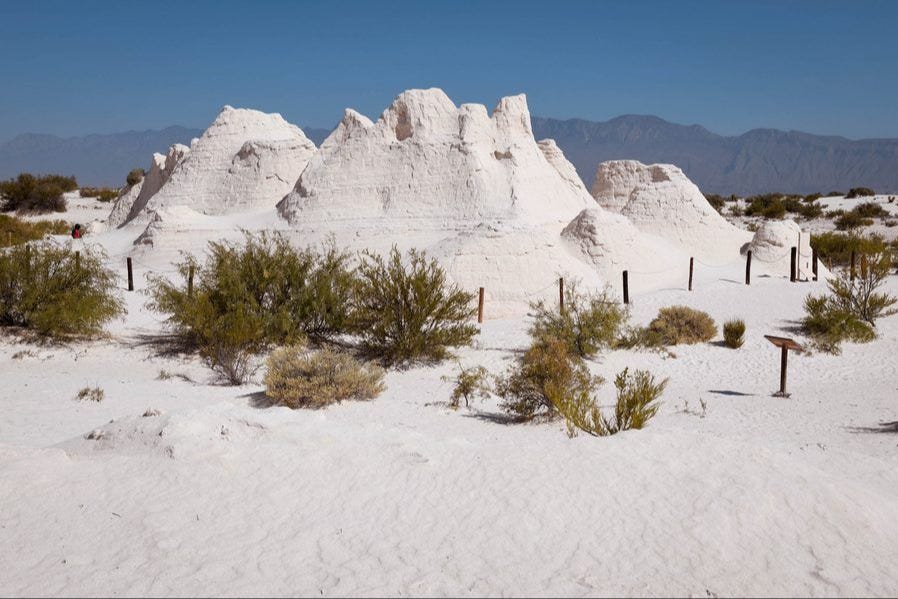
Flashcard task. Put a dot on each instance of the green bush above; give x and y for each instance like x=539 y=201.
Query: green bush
x=589 y=322
x=30 y=193
x=52 y=291
x=405 y=313
x=299 y=379
x=248 y=297
x=835 y=248
x=470 y=383
x=768 y=205
x=548 y=375
x=852 y=220
x=14 y=231
x=734 y=333
x=102 y=194
x=870 y=210
x=676 y=325
x=135 y=176
x=717 y=202
x=859 y=192
x=850 y=311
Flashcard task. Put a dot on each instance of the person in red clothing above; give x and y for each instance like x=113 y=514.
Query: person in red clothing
x=76 y=232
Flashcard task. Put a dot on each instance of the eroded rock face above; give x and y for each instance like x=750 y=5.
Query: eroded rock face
x=245 y=160
x=131 y=203
x=427 y=164
x=121 y=208
x=659 y=199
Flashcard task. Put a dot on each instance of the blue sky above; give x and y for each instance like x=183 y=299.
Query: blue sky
x=71 y=68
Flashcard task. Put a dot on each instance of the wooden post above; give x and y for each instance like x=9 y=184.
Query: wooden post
x=561 y=294
x=190 y=281
x=852 y=265
x=863 y=266
x=814 y=262
x=784 y=363
x=691 y=261
x=793 y=265
x=626 y=289
x=130 y=275
x=77 y=260
x=480 y=307
x=748 y=268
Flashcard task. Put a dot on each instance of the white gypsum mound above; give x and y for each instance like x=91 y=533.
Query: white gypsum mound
x=660 y=199
x=427 y=164
x=245 y=160
x=133 y=199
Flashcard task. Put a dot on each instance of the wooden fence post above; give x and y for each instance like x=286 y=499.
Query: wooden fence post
x=748 y=268
x=130 y=275
x=77 y=260
x=852 y=265
x=626 y=289
x=190 y=281
x=793 y=264
x=561 y=294
x=814 y=262
x=480 y=307
x=863 y=266
x=691 y=261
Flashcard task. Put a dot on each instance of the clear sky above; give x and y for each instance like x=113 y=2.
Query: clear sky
x=78 y=67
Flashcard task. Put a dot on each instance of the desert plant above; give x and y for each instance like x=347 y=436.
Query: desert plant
x=297 y=378
x=680 y=324
x=409 y=312
x=859 y=192
x=470 y=383
x=546 y=375
x=53 y=291
x=828 y=326
x=102 y=194
x=135 y=176
x=852 y=220
x=717 y=202
x=30 y=193
x=734 y=333
x=95 y=394
x=870 y=210
x=835 y=248
x=588 y=323
x=14 y=231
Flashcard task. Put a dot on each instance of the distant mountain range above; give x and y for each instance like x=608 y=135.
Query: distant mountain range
x=759 y=161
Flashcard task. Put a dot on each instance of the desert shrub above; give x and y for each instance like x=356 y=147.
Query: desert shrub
x=135 y=176
x=717 y=202
x=811 y=210
x=852 y=220
x=248 y=297
x=812 y=197
x=636 y=404
x=890 y=223
x=870 y=210
x=834 y=214
x=102 y=194
x=409 y=312
x=52 y=291
x=736 y=210
x=768 y=205
x=470 y=383
x=734 y=333
x=850 y=310
x=30 y=193
x=14 y=231
x=547 y=374
x=90 y=394
x=676 y=325
x=297 y=378
x=833 y=194
x=836 y=248
x=859 y=192
x=589 y=322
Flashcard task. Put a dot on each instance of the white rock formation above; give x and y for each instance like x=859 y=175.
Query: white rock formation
x=771 y=247
x=659 y=199
x=132 y=200
x=427 y=164
x=245 y=160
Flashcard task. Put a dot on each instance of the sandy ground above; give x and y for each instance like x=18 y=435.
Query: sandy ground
x=402 y=495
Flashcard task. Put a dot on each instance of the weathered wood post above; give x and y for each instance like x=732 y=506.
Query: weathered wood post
x=691 y=264
x=77 y=260
x=130 y=275
x=626 y=288
x=863 y=266
x=190 y=281
x=785 y=345
x=814 y=262
x=748 y=268
x=561 y=294
x=480 y=307
x=793 y=264
x=852 y=264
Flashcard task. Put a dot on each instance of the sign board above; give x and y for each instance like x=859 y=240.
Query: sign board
x=784 y=342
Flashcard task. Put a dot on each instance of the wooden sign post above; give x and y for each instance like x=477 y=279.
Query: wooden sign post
x=785 y=344
x=480 y=307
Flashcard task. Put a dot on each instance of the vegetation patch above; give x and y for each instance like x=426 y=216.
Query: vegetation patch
x=37 y=194
x=14 y=231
